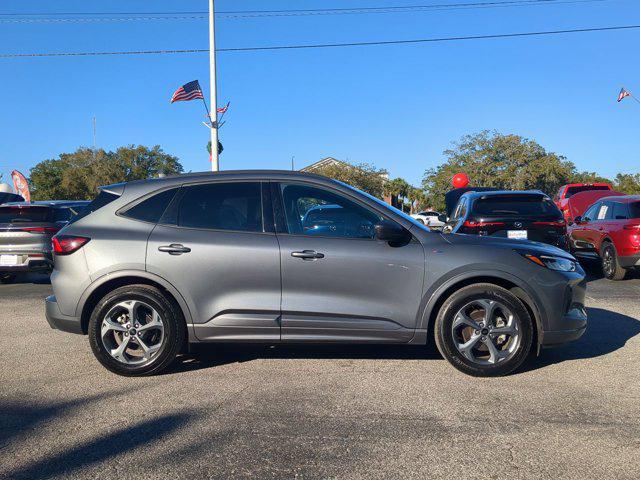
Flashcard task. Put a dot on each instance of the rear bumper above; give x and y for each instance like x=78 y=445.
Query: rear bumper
x=28 y=262
x=58 y=321
x=630 y=261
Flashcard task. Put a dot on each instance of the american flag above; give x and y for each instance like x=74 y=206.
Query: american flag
x=189 y=91
x=223 y=109
x=623 y=93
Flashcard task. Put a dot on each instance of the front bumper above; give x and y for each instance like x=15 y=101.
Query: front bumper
x=570 y=321
x=58 y=321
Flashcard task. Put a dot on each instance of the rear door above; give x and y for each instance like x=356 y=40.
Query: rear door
x=338 y=282
x=215 y=247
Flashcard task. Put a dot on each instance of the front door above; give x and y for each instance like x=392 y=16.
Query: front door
x=338 y=282
x=213 y=246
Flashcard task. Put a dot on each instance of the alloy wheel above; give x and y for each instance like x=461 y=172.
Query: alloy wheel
x=607 y=262
x=132 y=332
x=486 y=332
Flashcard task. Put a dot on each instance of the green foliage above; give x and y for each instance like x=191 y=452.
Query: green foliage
x=77 y=175
x=511 y=162
x=627 y=183
x=364 y=176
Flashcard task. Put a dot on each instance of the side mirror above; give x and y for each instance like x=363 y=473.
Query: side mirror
x=443 y=218
x=391 y=232
x=578 y=219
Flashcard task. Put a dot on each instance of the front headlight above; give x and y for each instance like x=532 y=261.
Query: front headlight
x=552 y=263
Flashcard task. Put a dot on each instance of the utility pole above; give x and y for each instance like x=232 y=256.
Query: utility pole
x=94 y=133
x=212 y=76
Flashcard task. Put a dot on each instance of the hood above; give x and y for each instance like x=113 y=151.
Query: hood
x=506 y=243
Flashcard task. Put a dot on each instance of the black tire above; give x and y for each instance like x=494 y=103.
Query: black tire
x=7 y=277
x=611 y=267
x=171 y=317
x=444 y=335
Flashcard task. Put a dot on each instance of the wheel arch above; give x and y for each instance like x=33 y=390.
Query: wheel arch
x=98 y=289
x=501 y=279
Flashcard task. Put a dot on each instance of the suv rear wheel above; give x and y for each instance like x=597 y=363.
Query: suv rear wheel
x=135 y=330
x=610 y=266
x=484 y=330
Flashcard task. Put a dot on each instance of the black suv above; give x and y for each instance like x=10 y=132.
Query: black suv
x=522 y=215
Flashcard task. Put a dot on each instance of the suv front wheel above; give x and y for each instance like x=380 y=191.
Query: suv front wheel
x=484 y=330
x=135 y=330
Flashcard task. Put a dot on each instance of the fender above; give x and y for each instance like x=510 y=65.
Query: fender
x=140 y=274
x=435 y=293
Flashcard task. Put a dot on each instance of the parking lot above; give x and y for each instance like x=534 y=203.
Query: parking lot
x=320 y=412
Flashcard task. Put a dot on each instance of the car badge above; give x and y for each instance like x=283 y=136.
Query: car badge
x=518 y=224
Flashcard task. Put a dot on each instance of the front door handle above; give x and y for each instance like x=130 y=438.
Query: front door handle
x=307 y=255
x=174 y=249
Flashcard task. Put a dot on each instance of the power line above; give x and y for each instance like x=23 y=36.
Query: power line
x=153 y=16
x=322 y=45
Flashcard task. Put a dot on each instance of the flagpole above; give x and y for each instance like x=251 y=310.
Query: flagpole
x=215 y=166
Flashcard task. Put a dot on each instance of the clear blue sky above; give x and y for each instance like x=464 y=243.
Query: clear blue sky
x=397 y=107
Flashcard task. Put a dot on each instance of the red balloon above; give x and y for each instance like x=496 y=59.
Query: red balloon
x=460 y=180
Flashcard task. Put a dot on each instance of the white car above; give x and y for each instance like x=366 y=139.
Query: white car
x=429 y=218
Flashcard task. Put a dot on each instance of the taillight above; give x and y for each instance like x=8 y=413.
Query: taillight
x=66 y=244
x=39 y=229
x=474 y=224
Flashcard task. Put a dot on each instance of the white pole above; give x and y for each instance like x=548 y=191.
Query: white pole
x=212 y=76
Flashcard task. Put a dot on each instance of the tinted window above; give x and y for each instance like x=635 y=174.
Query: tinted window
x=222 y=206
x=515 y=205
x=15 y=214
x=151 y=209
x=103 y=198
x=604 y=212
x=620 y=211
x=317 y=212
x=584 y=188
x=64 y=214
x=590 y=214
x=634 y=210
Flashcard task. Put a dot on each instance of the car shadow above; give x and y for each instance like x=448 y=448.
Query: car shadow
x=32 y=278
x=593 y=268
x=607 y=332
x=214 y=355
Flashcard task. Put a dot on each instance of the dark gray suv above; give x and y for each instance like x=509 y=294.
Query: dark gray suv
x=285 y=257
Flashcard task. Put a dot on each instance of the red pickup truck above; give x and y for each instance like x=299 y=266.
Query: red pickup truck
x=567 y=191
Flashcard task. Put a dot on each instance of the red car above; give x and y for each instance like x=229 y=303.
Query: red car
x=567 y=191
x=610 y=228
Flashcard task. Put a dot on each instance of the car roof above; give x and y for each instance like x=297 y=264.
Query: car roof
x=47 y=203
x=621 y=199
x=592 y=184
x=498 y=193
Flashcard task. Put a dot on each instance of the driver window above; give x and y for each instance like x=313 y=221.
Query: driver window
x=316 y=212
x=602 y=213
x=590 y=214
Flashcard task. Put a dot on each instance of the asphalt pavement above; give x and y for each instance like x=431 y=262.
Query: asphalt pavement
x=320 y=411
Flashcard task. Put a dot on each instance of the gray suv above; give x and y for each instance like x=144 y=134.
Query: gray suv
x=154 y=266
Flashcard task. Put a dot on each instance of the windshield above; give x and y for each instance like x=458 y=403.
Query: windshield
x=386 y=205
x=515 y=205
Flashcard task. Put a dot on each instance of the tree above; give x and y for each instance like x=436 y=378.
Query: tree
x=77 y=175
x=364 y=176
x=627 y=183
x=491 y=159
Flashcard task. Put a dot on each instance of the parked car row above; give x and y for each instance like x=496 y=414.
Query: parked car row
x=26 y=230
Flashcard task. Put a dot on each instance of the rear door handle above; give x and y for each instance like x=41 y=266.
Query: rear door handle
x=174 y=249
x=307 y=255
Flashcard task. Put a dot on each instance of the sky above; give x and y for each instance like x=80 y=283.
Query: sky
x=397 y=106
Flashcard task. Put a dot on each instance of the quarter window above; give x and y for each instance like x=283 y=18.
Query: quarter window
x=151 y=209
x=233 y=206
x=316 y=212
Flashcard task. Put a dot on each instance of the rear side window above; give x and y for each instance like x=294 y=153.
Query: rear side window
x=15 y=214
x=103 y=198
x=620 y=211
x=233 y=206
x=634 y=210
x=152 y=208
x=515 y=205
